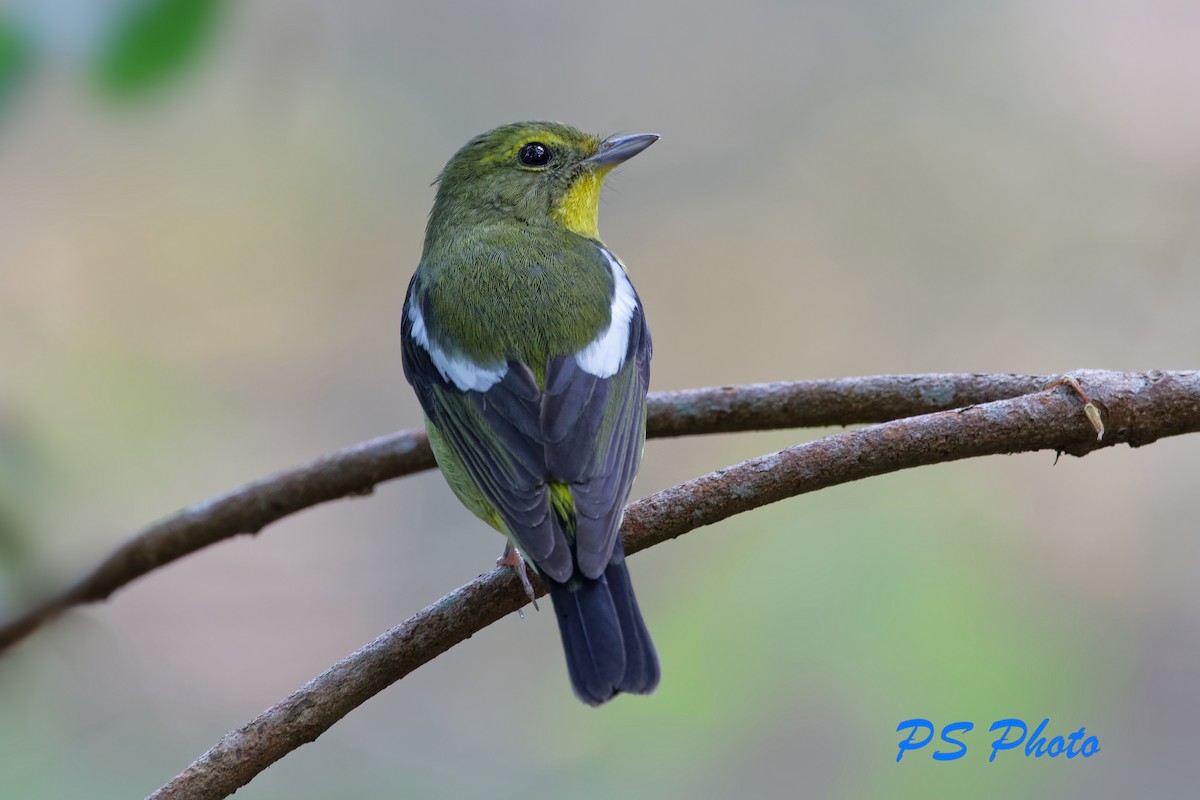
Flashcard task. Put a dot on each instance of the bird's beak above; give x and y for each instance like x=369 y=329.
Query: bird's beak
x=616 y=149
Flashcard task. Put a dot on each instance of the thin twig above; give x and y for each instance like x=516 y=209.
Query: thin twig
x=1137 y=409
x=355 y=471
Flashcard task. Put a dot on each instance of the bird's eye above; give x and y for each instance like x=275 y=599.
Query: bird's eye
x=535 y=154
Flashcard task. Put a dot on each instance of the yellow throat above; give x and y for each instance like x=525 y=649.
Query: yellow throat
x=579 y=211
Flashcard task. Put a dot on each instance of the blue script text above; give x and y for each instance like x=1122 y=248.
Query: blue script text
x=1012 y=732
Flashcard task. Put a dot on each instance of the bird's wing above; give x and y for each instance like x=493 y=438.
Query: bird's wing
x=594 y=429
x=513 y=439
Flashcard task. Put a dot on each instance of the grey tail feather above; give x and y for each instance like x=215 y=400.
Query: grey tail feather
x=607 y=645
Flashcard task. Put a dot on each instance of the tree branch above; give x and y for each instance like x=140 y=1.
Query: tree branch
x=1137 y=409
x=356 y=470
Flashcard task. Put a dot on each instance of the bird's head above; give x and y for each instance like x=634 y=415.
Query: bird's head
x=538 y=173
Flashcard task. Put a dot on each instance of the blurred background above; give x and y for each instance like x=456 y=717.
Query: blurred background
x=209 y=212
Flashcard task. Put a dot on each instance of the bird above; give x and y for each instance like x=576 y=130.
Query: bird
x=528 y=350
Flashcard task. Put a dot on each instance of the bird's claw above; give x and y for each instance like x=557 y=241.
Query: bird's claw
x=511 y=558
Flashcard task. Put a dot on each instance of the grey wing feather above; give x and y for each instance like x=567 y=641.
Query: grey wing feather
x=595 y=429
x=513 y=439
x=495 y=435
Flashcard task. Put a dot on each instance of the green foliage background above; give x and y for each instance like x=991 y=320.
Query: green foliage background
x=209 y=213
x=153 y=41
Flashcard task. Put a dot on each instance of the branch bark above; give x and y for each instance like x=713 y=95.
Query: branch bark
x=1137 y=409
x=355 y=471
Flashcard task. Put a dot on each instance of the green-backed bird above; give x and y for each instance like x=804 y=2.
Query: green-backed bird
x=528 y=349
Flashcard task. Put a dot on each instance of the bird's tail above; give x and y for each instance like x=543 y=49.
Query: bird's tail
x=607 y=645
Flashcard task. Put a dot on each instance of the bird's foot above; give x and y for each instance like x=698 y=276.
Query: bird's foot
x=511 y=558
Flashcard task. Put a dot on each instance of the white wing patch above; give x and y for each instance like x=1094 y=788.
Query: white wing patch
x=605 y=355
x=456 y=369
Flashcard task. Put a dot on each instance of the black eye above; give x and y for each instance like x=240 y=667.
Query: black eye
x=535 y=154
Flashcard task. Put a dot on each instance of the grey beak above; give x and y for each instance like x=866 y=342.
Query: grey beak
x=616 y=149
